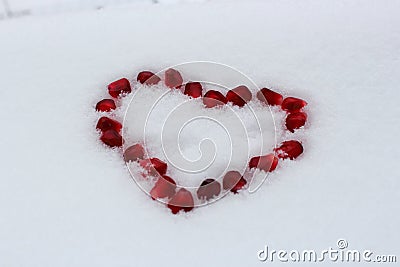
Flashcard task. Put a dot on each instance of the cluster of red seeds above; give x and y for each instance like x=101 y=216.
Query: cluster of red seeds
x=165 y=187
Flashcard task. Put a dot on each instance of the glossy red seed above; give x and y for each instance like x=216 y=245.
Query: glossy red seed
x=208 y=189
x=173 y=79
x=269 y=97
x=182 y=200
x=164 y=187
x=292 y=104
x=105 y=105
x=239 y=96
x=111 y=138
x=233 y=181
x=239 y=186
x=134 y=153
x=119 y=87
x=266 y=163
x=231 y=178
x=147 y=77
x=154 y=166
x=105 y=124
x=193 y=89
x=289 y=149
x=214 y=98
x=295 y=120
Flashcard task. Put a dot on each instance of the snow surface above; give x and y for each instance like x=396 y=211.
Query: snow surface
x=18 y=8
x=197 y=142
x=66 y=200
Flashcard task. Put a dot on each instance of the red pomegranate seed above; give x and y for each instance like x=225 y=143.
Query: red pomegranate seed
x=119 y=87
x=182 y=200
x=208 y=189
x=154 y=166
x=239 y=186
x=105 y=124
x=134 y=153
x=289 y=149
x=233 y=181
x=164 y=187
x=292 y=104
x=269 y=97
x=147 y=77
x=111 y=138
x=214 y=98
x=173 y=79
x=105 y=105
x=266 y=163
x=239 y=96
x=295 y=120
x=193 y=89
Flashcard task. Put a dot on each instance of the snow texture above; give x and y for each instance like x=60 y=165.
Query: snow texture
x=67 y=200
x=197 y=142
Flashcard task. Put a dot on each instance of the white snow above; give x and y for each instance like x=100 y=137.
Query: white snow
x=67 y=200
x=196 y=142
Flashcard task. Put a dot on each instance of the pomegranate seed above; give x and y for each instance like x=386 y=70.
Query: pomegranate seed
x=266 y=163
x=105 y=124
x=154 y=166
x=105 y=105
x=173 y=79
x=292 y=104
x=182 y=200
x=295 y=120
x=111 y=138
x=233 y=181
x=193 y=89
x=208 y=189
x=289 y=149
x=239 y=96
x=164 y=187
x=147 y=77
x=134 y=153
x=269 y=97
x=213 y=98
x=119 y=87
